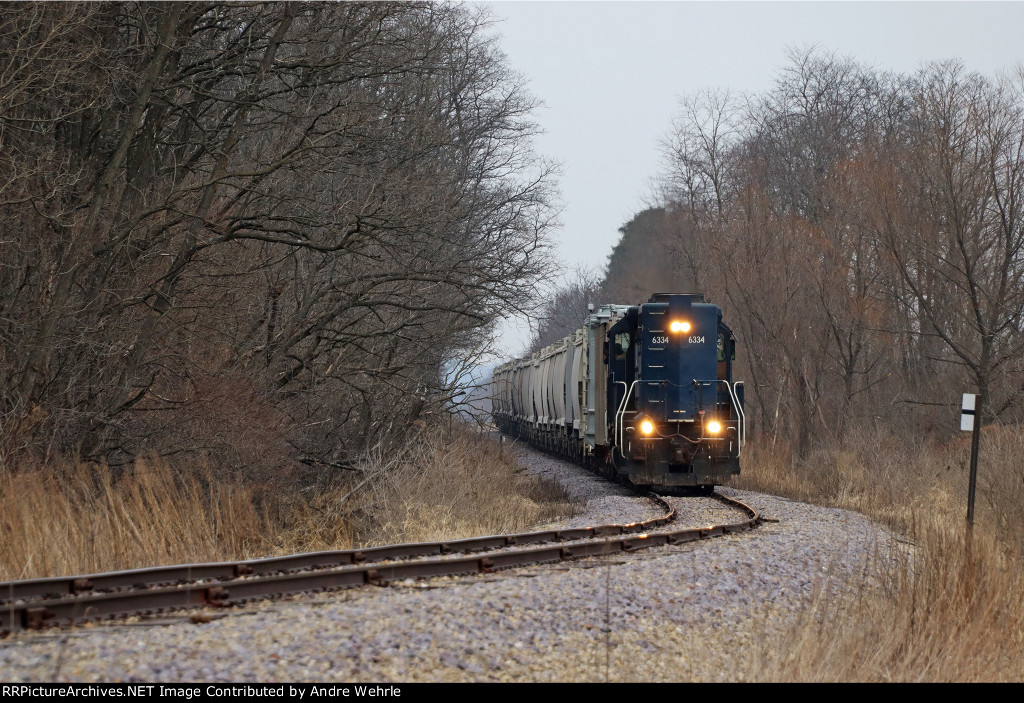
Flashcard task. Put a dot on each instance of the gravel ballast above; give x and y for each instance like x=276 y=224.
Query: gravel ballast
x=687 y=612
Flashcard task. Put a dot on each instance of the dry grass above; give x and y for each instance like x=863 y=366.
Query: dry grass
x=73 y=518
x=440 y=489
x=903 y=482
x=948 y=613
x=77 y=518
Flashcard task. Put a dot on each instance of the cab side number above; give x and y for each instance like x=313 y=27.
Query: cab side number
x=659 y=340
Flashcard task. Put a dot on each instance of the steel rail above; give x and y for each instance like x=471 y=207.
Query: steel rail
x=62 y=586
x=21 y=615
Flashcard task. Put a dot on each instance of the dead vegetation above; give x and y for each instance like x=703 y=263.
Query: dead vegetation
x=472 y=488
x=943 y=613
x=903 y=481
x=83 y=518
x=242 y=251
x=948 y=615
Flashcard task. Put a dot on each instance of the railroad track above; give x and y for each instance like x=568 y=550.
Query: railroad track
x=61 y=601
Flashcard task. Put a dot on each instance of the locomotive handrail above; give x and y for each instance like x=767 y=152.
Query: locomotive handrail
x=619 y=425
x=741 y=436
x=743 y=416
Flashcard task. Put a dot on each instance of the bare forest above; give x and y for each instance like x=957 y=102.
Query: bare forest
x=260 y=235
x=863 y=233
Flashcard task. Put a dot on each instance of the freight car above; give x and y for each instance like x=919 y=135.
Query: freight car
x=643 y=394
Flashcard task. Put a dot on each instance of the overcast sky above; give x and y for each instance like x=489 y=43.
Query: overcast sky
x=610 y=74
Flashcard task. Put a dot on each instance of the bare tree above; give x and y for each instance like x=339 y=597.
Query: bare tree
x=800 y=227
x=316 y=207
x=697 y=152
x=564 y=311
x=954 y=226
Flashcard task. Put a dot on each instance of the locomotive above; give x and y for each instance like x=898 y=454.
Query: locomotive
x=643 y=394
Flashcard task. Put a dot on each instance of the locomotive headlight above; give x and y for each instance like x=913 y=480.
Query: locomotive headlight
x=679 y=326
x=713 y=427
x=647 y=427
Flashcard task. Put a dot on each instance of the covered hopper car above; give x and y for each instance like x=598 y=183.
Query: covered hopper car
x=643 y=394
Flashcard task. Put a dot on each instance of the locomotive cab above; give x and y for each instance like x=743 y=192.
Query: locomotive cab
x=677 y=419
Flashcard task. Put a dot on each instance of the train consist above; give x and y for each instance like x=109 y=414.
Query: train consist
x=643 y=394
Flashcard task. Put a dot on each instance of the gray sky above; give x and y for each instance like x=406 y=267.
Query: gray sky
x=610 y=74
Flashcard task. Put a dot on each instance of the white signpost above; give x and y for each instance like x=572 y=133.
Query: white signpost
x=969 y=410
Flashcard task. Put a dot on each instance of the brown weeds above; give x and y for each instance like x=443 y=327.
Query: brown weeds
x=946 y=609
x=443 y=489
x=72 y=518
x=81 y=518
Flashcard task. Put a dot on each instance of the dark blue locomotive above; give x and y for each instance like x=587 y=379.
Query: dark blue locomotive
x=644 y=394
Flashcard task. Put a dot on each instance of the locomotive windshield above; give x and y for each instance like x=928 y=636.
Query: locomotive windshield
x=621 y=345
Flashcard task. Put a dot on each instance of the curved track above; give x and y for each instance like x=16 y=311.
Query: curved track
x=39 y=603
